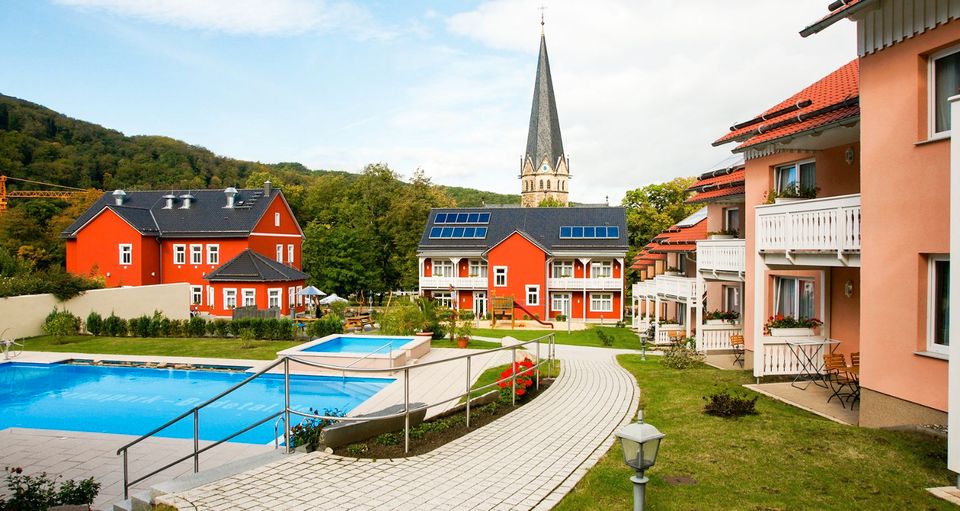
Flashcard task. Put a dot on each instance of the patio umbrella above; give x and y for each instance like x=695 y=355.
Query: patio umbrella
x=311 y=291
x=332 y=299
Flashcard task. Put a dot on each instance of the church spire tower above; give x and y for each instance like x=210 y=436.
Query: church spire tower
x=544 y=171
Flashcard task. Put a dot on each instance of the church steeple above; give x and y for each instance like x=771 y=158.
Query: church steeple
x=544 y=170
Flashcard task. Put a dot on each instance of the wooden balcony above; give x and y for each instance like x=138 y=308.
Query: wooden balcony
x=453 y=282
x=813 y=232
x=722 y=259
x=575 y=284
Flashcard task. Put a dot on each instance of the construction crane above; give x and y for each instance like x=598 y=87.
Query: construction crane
x=34 y=194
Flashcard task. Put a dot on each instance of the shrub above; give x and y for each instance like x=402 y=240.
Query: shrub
x=605 y=338
x=722 y=404
x=309 y=432
x=41 y=492
x=357 y=450
x=327 y=325
x=221 y=327
x=560 y=317
x=60 y=323
x=524 y=378
x=196 y=327
x=114 y=326
x=140 y=326
x=404 y=318
x=681 y=356
x=388 y=439
x=94 y=323
x=247 y=336
x=286 y=330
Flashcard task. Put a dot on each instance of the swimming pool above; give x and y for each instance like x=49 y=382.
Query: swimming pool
x=361 y=351
x=134 y=400
x=359 y=344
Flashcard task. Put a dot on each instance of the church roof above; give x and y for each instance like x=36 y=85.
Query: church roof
x=543 y=138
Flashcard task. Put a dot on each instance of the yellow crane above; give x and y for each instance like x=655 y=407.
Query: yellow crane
x=34 y=194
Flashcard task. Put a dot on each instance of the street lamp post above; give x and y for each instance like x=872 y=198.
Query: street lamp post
x=641 y=443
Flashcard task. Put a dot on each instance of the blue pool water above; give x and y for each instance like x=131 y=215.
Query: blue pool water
x=134 y=400
x=348 y=344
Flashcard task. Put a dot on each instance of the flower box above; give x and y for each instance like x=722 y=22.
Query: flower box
x=720 y=322
x=787 y=200
x=721 y=236
x=671 y=274
x=791 y=332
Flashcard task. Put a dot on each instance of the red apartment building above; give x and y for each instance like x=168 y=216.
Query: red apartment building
x=234 y=247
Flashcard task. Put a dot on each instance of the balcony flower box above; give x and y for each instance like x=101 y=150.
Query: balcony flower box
x=788 y=326
x=718 y=322
x=787 y=200
x=792 y=332
x=671 y=274
x=721 y=236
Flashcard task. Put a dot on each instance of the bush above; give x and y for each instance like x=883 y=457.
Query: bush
x=219 y=327
x=357 y=450
x=286 y=330
x=605 y=338
x=94 y=323
x=60 y=323
x=196 y=327
x=247 y=336
x=403 y=318
x=681 y=356
x=114 y=326
x=140 y=326
x=389 y=439
x=723 y=404
x=309 y=432
x=327 y=325
x=560 y=317
x=40 y=492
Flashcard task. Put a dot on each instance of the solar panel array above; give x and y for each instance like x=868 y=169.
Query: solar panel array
x=462 y=218
x=589 y=232
x=462 y=233
x=476 y=229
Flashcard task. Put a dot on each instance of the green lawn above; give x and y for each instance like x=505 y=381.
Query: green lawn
x=781 y=459
x=622 y=337
x=173 y=347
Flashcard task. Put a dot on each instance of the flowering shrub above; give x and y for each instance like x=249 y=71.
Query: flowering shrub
x=26 y=492
x=781 y=321
x=309 y=432
x=729 y=316
x=524 y=371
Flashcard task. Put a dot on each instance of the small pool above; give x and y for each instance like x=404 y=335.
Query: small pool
x=359 y=344
x=362 y=351
x=134 y=400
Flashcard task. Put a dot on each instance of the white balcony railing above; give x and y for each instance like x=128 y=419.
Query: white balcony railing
x=721 y=256
x=454 y=282
x=717 y=337
x=588 y=284
x=831 y=224
x=645 y=289
x=683 y=288
x=776 y=358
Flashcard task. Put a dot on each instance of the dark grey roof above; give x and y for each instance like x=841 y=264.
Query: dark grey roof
x=543 y=137
x=541 y=225
x=207 y=215
x=250 y=266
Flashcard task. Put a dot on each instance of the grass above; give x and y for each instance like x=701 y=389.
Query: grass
x=781 y=458
x=492 y=374
x=474 y=345
x=623 y=338
x=173 y=347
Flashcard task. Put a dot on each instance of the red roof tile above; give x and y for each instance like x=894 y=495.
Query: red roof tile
x=835 y=97
x=683 y=240
x=711 y=187
x=717 y=194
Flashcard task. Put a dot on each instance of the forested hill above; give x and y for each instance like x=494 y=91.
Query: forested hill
x=377 y=215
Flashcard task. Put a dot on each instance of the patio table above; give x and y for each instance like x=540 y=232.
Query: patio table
x=810 y=360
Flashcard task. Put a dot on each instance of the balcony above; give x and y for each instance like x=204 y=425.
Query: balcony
x=453 y=282
x=678 y=288
x=575 y=284
x=722 y=259
x=814 y=232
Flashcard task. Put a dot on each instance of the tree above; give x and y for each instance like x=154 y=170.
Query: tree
x=550 y=202
x=653 y=208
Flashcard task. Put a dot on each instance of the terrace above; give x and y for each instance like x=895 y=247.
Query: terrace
x=813 y=232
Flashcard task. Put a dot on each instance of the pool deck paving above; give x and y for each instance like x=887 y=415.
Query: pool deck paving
x=528 y=459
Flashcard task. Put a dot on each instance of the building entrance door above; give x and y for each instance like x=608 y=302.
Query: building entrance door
x=479 y=304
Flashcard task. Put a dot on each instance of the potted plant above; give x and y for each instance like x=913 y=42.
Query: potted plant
x=788 y=326
x=790 y=194
x=458 y=324
x=724 y=234
x=671 y=271
x=718 y=317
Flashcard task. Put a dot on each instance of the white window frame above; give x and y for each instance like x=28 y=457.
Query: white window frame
x=601 y=302
x=196 y=254
x=557 y=299
x=299 y=296
x=210 y=295
x=276 y=219
x=250 y=293
x=562 y=270
x=727 y=225
x=444 y=298
x=290 y=253
x=478 y=267
x=796 y=294
x=727 y=306
x=532 y=291
x=213 y=254
x=125 y=253
x=275 y=293
x=280 y=252
x=499 y=276
x=291 y=296
x=443 y=268
x=179 y=254
x=196 y=295
x=932 y=133
x=931 y=309
x=601 y=267
x=796 y=166
x=230 y=295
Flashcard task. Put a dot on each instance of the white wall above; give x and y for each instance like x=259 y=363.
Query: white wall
x=22 y=316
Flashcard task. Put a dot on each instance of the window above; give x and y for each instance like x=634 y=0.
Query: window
x=731 y=219
x=291 y=295
x=229 y=298
x=596 y=232
x=796 y=178
x=478 y=268
x=276 y=219
x=681 y=314
x=249 y=297
x=126 y=253
x=290 y=254
x=944 y=82
x=601 y=270
x=541 y=184
x=179 y=254
x=499 y=276
x=548 y=184
x=681 y=263
x=443 y=298
x=210 y=296
x=299 y=296
x=601 y=302
x=533 y=295
x=938 y=304
x=794 y=297
x=196 y=254
x=279 y=253
x=560 y=302
x=562 y=269
x=731 y=299
x=213 y=254
x=443 y=269
x=196 y=295
x=274 y=298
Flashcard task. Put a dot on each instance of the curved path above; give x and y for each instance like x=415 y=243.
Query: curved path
x=528 y=459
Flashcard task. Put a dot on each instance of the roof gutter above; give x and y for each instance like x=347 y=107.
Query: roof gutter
x=833 y=18
x=805 y=116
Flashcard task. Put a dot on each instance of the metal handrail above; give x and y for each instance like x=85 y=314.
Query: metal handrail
x=351 y=364
x=284 y=415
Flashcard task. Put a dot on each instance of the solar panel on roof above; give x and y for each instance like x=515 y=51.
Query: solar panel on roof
x=461 y=218
x=463 y=233
x=441 y=218
x=591 y=232
x=694 y=218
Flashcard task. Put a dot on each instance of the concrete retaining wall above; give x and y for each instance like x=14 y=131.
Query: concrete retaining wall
x=22 y=316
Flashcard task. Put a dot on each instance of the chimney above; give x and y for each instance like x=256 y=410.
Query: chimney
x=187 y=200
x=267 y=188
x=168 y=200
x=119 y=196
x=231 y=193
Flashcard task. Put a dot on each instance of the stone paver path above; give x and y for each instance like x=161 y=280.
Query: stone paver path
x=528 y=459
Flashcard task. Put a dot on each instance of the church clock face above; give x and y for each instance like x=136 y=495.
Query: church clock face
x=544 y=168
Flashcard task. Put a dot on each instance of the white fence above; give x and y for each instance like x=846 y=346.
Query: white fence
x=776 y=358
x=721 y=255
x=684 y=288
x=830 y=224
x=717 y=337
x=588 y=284
x=454 y=282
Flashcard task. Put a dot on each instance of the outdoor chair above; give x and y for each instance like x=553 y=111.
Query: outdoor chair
x=855 y=359
x=839 y=378
x=737 y=344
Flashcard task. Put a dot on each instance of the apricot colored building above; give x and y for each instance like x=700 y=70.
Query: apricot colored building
x=234 y=247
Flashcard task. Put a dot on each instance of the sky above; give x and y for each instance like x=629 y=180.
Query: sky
x=643 y=87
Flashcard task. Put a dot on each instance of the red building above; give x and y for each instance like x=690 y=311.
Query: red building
x=160 y=237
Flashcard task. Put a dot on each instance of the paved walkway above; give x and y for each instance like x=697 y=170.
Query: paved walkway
x=528 y=459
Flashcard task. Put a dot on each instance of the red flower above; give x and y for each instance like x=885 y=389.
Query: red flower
x=521 y=391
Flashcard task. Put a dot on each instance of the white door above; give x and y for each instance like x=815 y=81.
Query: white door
x=479 y=304
x=560 y=303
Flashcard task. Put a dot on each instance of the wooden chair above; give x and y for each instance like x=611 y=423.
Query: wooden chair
x=836 y=367
x=738 y=346
x=855 y=359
